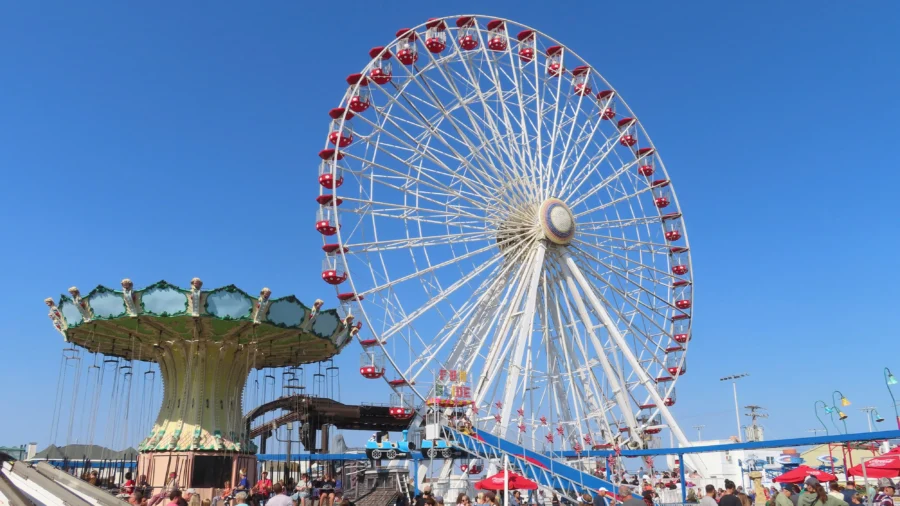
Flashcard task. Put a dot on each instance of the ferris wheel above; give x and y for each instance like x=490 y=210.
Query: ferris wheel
x=490 y=204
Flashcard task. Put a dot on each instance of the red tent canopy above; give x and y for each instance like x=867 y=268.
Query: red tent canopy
x=496 y=482
x=800 y=474
x=885 y=466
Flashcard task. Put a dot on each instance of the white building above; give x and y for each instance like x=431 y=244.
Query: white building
x=728 y=465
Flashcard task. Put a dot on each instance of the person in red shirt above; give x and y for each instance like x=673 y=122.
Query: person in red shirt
x=263 y=488
x=127 y=487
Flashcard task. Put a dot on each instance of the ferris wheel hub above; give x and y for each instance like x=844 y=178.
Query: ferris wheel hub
x=557 y=221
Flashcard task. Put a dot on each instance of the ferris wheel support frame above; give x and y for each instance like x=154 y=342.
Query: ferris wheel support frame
x=611 y=374
x=525 y=331
x=643 y=377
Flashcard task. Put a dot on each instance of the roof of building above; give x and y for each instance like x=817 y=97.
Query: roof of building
x=80 y=452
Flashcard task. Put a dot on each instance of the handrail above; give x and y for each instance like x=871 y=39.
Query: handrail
x=564 y=479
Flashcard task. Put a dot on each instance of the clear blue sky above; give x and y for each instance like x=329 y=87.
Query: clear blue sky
x=170 y=140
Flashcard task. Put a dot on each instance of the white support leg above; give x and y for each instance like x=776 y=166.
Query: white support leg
x=525 y=331
x=619 y=393
x=643 y=377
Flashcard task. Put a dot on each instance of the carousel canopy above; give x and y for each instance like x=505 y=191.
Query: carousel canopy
x=133 y=324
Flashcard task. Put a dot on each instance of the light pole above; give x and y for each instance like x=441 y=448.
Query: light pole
x=699 y=431
x=844 y=403
x=737 y=410
x=871 y=414
x=889 y=380
x=816 y=412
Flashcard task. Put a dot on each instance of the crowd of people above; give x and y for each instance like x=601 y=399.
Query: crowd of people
x=811 y=493
x=321 y=491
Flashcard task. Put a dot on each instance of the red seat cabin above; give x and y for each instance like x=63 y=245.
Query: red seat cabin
x=406 y=50
x=331 y=171
x=666 y=390
x=554 y=61
x=467 y=33
x=675 y=361
x=661 y=193
x=341 y=127
x=326 y=221
x=371 y=364
x=497 y=38
x=679 y=260
x=333 y=269
x=358 y=98
x=628 y=135
x=435 y=35
x=381 y=71
x=605 y=101
x=526 y=45
x=581 y=84
x=402 y=405
x=683 y=290
x=672 y=226
x=681 y=328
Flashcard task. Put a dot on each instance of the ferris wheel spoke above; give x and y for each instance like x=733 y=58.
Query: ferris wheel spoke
x=425 y=86
x=636 y=303
x=469 y=324
x=508 y=151
x=468 y=349
x=429 y=181
x=571 y=138
x=647 y=246
x=433 y=301
x=417 y=242
x=620 y=223
x=480 y=185
x=564 y=162
x=431 y=269
x=443 y=210
x=603 y=184
x=554 y=129
x=643 y=377
x=472 y=81
x=524 y=332
x=612 y=376
x=615 y=201
x=413 y=218
x=525 y=146
x=633 y=297
x=430 y=153
x=639 y=265
x=524 y=158
x=429 y=124
x=564 y=349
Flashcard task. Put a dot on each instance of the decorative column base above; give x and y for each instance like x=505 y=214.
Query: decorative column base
x=205 y=472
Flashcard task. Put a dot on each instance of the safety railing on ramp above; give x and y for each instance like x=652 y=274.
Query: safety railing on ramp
x=544 y=471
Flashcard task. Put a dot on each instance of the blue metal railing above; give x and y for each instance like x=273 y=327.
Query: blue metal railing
x=535 y=466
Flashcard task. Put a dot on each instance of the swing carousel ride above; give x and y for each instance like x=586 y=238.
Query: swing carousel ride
x=204 y=344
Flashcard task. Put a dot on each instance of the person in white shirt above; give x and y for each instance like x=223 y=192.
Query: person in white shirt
x=710 y=498
x=279 y=499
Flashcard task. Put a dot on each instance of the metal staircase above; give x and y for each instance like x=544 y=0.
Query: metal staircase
x=565 y=480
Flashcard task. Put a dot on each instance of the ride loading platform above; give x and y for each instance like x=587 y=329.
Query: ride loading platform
x=315 y=416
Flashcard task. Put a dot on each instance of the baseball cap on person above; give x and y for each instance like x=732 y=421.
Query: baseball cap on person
x=812 y=481
x=885 y=482
x=190 y=491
